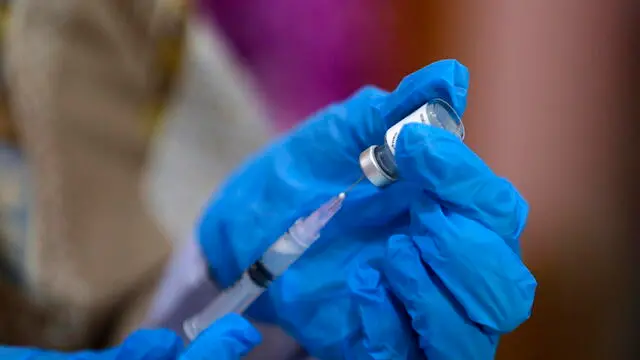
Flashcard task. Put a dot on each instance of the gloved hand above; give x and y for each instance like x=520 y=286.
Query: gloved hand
x=230 y=338
x=428 y=267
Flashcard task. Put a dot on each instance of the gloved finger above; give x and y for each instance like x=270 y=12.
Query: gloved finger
x=385 y=333
x=229 y=338
x=444 y=331
x=445 y=79
x=313 y=299
x=142 y=345
x=448 y=170
x=485 y=276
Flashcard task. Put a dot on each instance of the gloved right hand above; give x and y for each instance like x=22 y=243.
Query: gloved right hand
x=426 y=268
x=229 y=338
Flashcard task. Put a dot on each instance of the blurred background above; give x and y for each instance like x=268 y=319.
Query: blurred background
x=553 y=107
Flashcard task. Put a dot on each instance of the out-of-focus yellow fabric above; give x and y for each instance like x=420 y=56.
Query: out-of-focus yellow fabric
x=88 y=256
x=170 y=53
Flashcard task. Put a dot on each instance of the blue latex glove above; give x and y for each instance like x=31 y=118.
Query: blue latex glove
x=230 y=338
x=428 y=267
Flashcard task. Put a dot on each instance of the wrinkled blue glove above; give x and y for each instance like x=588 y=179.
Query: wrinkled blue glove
x=230 y=338
x=426 y=268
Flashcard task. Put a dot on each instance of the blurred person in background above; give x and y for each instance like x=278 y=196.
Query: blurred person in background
x=87 y=261
x=88 y=85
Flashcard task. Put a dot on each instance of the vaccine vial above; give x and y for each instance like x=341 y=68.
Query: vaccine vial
x=378 y=162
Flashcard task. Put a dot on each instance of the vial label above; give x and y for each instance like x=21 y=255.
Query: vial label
x=418 y=116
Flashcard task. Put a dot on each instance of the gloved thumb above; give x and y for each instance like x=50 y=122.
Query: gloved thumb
x=229 y=338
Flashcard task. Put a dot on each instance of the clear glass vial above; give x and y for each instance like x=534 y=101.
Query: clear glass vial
x=378 y=162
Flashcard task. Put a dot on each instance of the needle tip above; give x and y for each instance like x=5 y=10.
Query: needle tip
x=342 y=195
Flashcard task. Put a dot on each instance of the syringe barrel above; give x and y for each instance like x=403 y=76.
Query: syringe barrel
x=273 y=263
x=378 y=161
x=236 y=299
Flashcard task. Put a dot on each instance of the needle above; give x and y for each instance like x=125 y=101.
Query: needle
x=353 y=185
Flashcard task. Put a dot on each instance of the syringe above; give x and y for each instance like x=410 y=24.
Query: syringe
x=275 y=261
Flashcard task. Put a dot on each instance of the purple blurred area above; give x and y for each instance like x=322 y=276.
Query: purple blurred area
x=306 y=54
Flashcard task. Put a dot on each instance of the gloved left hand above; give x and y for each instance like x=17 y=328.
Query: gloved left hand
x=428 y=267
x=230 y=338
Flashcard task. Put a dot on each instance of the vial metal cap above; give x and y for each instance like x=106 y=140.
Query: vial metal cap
x=372 y=170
